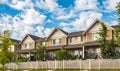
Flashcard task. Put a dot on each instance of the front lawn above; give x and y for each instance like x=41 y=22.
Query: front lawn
x=37 y=70
x=66 y=70
x=104 y=70
x=17 y=70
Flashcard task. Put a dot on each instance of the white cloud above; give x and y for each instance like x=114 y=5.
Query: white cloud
x=18 y=27
x=47 y=4
x=31 y=16
x=63 y=24
x=110 y=4
x=114 y=22
x=82 y=22
x=47 y=31
x=86 y=5
x=39 y=31
x=3 y=1
x=66 y=16
x=49 y=21
x=18 y=4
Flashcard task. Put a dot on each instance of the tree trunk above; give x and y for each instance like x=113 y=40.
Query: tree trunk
x=3 y=67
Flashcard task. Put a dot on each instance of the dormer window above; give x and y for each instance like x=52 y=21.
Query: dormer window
x=57 y=41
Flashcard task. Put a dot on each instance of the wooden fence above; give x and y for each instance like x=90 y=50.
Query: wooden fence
x=68 y=64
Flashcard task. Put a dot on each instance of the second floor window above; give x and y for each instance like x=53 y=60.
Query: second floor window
x=118 y=33
x=28 y=45
x=96 y=36
x=79 y=39
x=72 y=40
x=57 y=41
x=44 y=43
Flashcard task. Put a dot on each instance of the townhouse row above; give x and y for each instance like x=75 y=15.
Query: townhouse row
x=81 y=43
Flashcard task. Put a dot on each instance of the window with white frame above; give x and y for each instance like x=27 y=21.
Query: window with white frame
x=96 y=36
x=72 y=40
x=25 y=45
x=28 y=45
x=118 y=33
x=79 y=39
x=57 y=41
x=44 y=43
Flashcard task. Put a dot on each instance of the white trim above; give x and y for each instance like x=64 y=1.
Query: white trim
x=94 y=24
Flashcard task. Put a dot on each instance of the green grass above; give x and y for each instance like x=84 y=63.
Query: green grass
x=16 y=70
x=104 y=70
x=66 y=70
x=37 y=70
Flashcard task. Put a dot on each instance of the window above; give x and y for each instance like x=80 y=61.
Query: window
x=43 y=43
x=29 y=45
x=96 y=36
x=79 y=39
x=72 y=40
x=118 y=33
x=57 y=41
x=25 y=45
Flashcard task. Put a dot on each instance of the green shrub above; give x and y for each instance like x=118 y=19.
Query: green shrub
x=22 y=59
x=63 y=55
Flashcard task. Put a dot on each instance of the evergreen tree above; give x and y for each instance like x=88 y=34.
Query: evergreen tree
x=5 y=55
x=106 y=46
x=117 y=31
x=40 y=52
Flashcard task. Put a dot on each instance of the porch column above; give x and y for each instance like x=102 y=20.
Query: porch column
x=29 y=55
x=83 y=52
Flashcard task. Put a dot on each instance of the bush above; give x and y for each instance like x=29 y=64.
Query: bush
x=63 y=55
x=22 y=59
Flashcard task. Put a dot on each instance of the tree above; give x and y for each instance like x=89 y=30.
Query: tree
x=5 y=55
x=117 y=31
x=63 y=55
x=106 y=46
x=118 y=11
x=40 y=52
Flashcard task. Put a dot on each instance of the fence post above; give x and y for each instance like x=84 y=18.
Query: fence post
x=80 y=64
x=89 y=64
x=99 y=64
x=36 y=65
x=63 y=64
x=55 y=64
x=119 y=63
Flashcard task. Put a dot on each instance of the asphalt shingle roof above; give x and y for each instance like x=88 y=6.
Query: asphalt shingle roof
x=116 y=26
x=34 y=37
x=75 y=33
x=14 y=40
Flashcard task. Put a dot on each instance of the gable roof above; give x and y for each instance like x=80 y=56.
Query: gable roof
x=75 y=33
x=41 y=39
x=32 y=37
x=94 y=24
x=14 y=40
x=116 y=26
x=66 y=33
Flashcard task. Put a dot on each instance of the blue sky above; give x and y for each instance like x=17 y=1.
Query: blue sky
x=40 y=17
